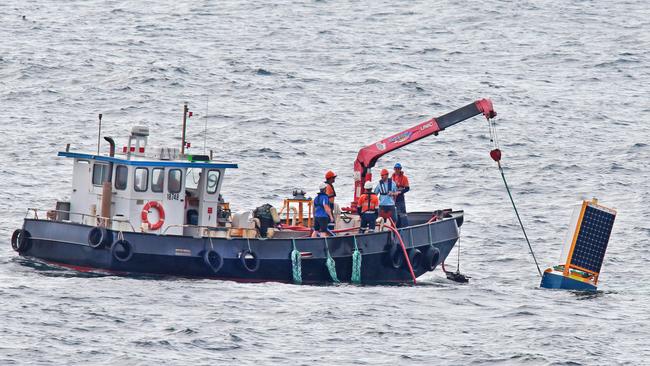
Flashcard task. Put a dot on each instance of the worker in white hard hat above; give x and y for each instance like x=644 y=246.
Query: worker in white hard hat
x=367 y=205
x=322 y=212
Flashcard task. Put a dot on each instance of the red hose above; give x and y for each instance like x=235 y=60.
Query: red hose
x=408 y=261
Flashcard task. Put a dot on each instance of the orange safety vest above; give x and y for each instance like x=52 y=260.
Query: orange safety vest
x=368 y=202
x=401 y=180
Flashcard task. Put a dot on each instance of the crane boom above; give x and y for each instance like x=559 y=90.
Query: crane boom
x=368 y=156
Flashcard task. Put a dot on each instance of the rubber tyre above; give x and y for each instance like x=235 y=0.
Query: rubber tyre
x=431 y=258
x=395 y=256
x=415 y=257
x=244 y=261
x=126 y=247
x=99 y=237
x=213 y=260
x=20 y=240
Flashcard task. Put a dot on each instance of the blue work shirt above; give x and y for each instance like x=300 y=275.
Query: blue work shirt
x=382 y=189
x=319 y=205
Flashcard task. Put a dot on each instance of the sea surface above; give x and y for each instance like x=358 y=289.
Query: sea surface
x=292 y=89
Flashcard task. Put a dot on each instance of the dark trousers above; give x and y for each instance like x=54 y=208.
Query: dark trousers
x=402 y=218
x=368 y=221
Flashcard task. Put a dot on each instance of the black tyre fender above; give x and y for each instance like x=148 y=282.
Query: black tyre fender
x=431 y=258
x=395 y=256
x=213 y=260
x=415 y=257
x=99 y=237
x=245 y=261
x=122 y=250
x=20 y=240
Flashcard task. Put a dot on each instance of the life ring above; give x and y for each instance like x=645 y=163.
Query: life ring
x=99 y=237
x=395 y=256
x=213 y=259
x=245 y=261
x=122 y=250
x=161 y=215
x=20 y=240
x=415 y=257
x=431 y=258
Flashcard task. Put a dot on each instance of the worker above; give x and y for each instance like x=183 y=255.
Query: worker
x=330 y=178
x=402 y=183
x=322 y=212
x=368 y=204
x=386 y=189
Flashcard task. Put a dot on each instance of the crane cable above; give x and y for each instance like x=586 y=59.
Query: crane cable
x=495 y=154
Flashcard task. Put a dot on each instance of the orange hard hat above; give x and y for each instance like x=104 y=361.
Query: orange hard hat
x=330 y=174
x=384 y=172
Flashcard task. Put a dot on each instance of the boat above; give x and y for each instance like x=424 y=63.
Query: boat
x=160 y=211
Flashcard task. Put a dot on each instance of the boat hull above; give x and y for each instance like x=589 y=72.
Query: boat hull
x=66 y=244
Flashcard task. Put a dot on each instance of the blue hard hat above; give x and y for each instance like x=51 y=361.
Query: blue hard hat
x=398 y=166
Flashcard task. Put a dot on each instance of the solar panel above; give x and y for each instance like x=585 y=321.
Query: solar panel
x=591 y=244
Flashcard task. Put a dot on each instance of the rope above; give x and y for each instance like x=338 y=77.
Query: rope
x=356 y=263
x=406 y=256
x=331 y=265
x=496 y=156
x=296 y=266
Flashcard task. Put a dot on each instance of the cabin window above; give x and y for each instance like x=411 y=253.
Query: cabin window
x=121 y=177
x=175 y=181
x=100 y=174
x=212 y=183
x=192 y=178
x=141 y=180
x=157 y=179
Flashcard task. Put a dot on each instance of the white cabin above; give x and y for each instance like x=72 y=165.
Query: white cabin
x=187 y=190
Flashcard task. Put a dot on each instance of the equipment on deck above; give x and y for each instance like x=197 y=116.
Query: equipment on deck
x=368 y=156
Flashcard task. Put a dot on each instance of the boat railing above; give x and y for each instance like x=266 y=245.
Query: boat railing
x=53 y=215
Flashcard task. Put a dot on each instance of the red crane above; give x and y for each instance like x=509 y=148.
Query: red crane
x=369 y=155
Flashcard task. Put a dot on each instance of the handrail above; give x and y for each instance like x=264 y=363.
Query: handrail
x=83 y=216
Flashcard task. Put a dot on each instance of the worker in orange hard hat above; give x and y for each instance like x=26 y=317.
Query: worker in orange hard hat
x=387 y=190
x=403 y=186
x=368 y=204
x=330 y=178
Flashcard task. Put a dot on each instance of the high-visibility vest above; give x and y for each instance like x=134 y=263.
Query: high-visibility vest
x=368 y=202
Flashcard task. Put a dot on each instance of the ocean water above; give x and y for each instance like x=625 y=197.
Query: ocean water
x=294 y=88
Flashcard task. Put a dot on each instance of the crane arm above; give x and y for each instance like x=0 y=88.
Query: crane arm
x=368 y=156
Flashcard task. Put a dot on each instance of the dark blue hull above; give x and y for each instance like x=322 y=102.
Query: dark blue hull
x=67 y=244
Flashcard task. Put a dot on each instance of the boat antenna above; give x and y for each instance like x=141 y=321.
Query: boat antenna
x=99 y=133
x=205 y=130
x=184 y=127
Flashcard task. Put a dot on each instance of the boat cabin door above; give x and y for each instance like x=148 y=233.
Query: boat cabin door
x=209 y=196
x=174 y=200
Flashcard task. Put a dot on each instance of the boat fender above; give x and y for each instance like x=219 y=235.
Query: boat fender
x=250 y=264
x=145 y=215
x=415 y=256
x=431 y=258
x=213 y=259
x=122 y=250
x=99 y=237
x=20 y=240
x=395 y=256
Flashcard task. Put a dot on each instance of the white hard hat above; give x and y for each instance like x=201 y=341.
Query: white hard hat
x=368 y=185
x=322 y=186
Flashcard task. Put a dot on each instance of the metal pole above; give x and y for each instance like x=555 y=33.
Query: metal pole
x=99 y=133
x=184 y=126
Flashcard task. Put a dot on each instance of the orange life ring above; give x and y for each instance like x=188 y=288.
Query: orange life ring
x=161 y=215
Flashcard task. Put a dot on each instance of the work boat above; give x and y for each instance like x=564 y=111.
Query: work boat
x=142 y=210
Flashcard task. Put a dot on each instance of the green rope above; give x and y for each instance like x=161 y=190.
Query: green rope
x=331 y=265
x=296 y=265
x=356 y=263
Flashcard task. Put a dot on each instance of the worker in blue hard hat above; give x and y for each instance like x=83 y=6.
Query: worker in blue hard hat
x=403 y=186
